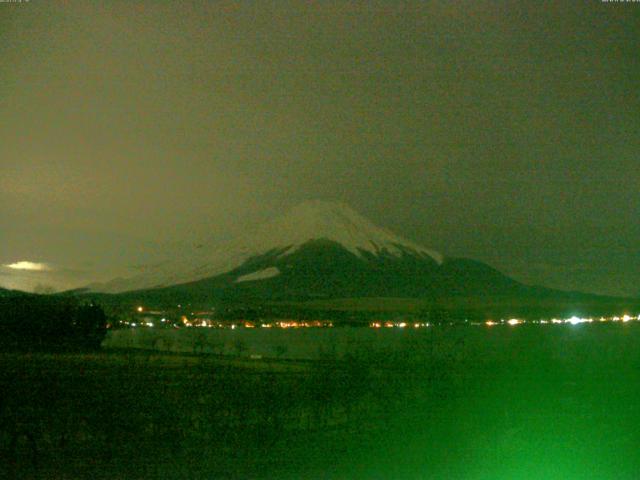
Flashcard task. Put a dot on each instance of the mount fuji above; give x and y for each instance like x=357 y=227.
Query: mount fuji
x=318 y=249
x=308 y=224
x=324 y=251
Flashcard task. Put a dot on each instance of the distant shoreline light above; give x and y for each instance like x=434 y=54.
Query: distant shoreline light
x=31 y=266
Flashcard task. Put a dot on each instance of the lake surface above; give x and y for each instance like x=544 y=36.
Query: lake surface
x=290 y=343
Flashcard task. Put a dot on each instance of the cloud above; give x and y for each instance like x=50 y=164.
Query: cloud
x=30 y=266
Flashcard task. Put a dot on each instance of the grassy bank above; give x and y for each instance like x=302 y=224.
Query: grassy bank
x=126 y=414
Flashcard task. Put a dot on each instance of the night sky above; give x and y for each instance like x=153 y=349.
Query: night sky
x=508 y=132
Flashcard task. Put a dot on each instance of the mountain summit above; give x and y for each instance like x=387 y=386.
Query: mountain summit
x=310 y=224
x=337 y=222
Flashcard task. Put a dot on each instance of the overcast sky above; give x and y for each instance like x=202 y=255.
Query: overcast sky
x=508 y=132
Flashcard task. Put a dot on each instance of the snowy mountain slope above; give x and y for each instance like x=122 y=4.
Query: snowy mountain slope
x=259 y=275
x=308 y=222
x=337 y=222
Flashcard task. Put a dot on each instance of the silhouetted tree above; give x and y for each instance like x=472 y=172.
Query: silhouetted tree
x=45 y=321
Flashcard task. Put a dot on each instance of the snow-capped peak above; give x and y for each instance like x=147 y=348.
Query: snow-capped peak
x=314 y=220
x=311 y=220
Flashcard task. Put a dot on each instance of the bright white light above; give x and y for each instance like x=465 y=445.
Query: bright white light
x=514 y=321
x=489 y=323
x=626 y=318
x=33 y=266
x=575 y=320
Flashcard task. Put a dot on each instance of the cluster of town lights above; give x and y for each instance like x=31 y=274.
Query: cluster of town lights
x=571 y=321
x=397 y=325
x=207 y=322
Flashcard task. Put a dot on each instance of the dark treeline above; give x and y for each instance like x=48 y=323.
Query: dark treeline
x=46 y=322
x=339 y=317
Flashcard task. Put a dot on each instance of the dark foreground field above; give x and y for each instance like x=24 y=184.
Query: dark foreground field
x=526 y=402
